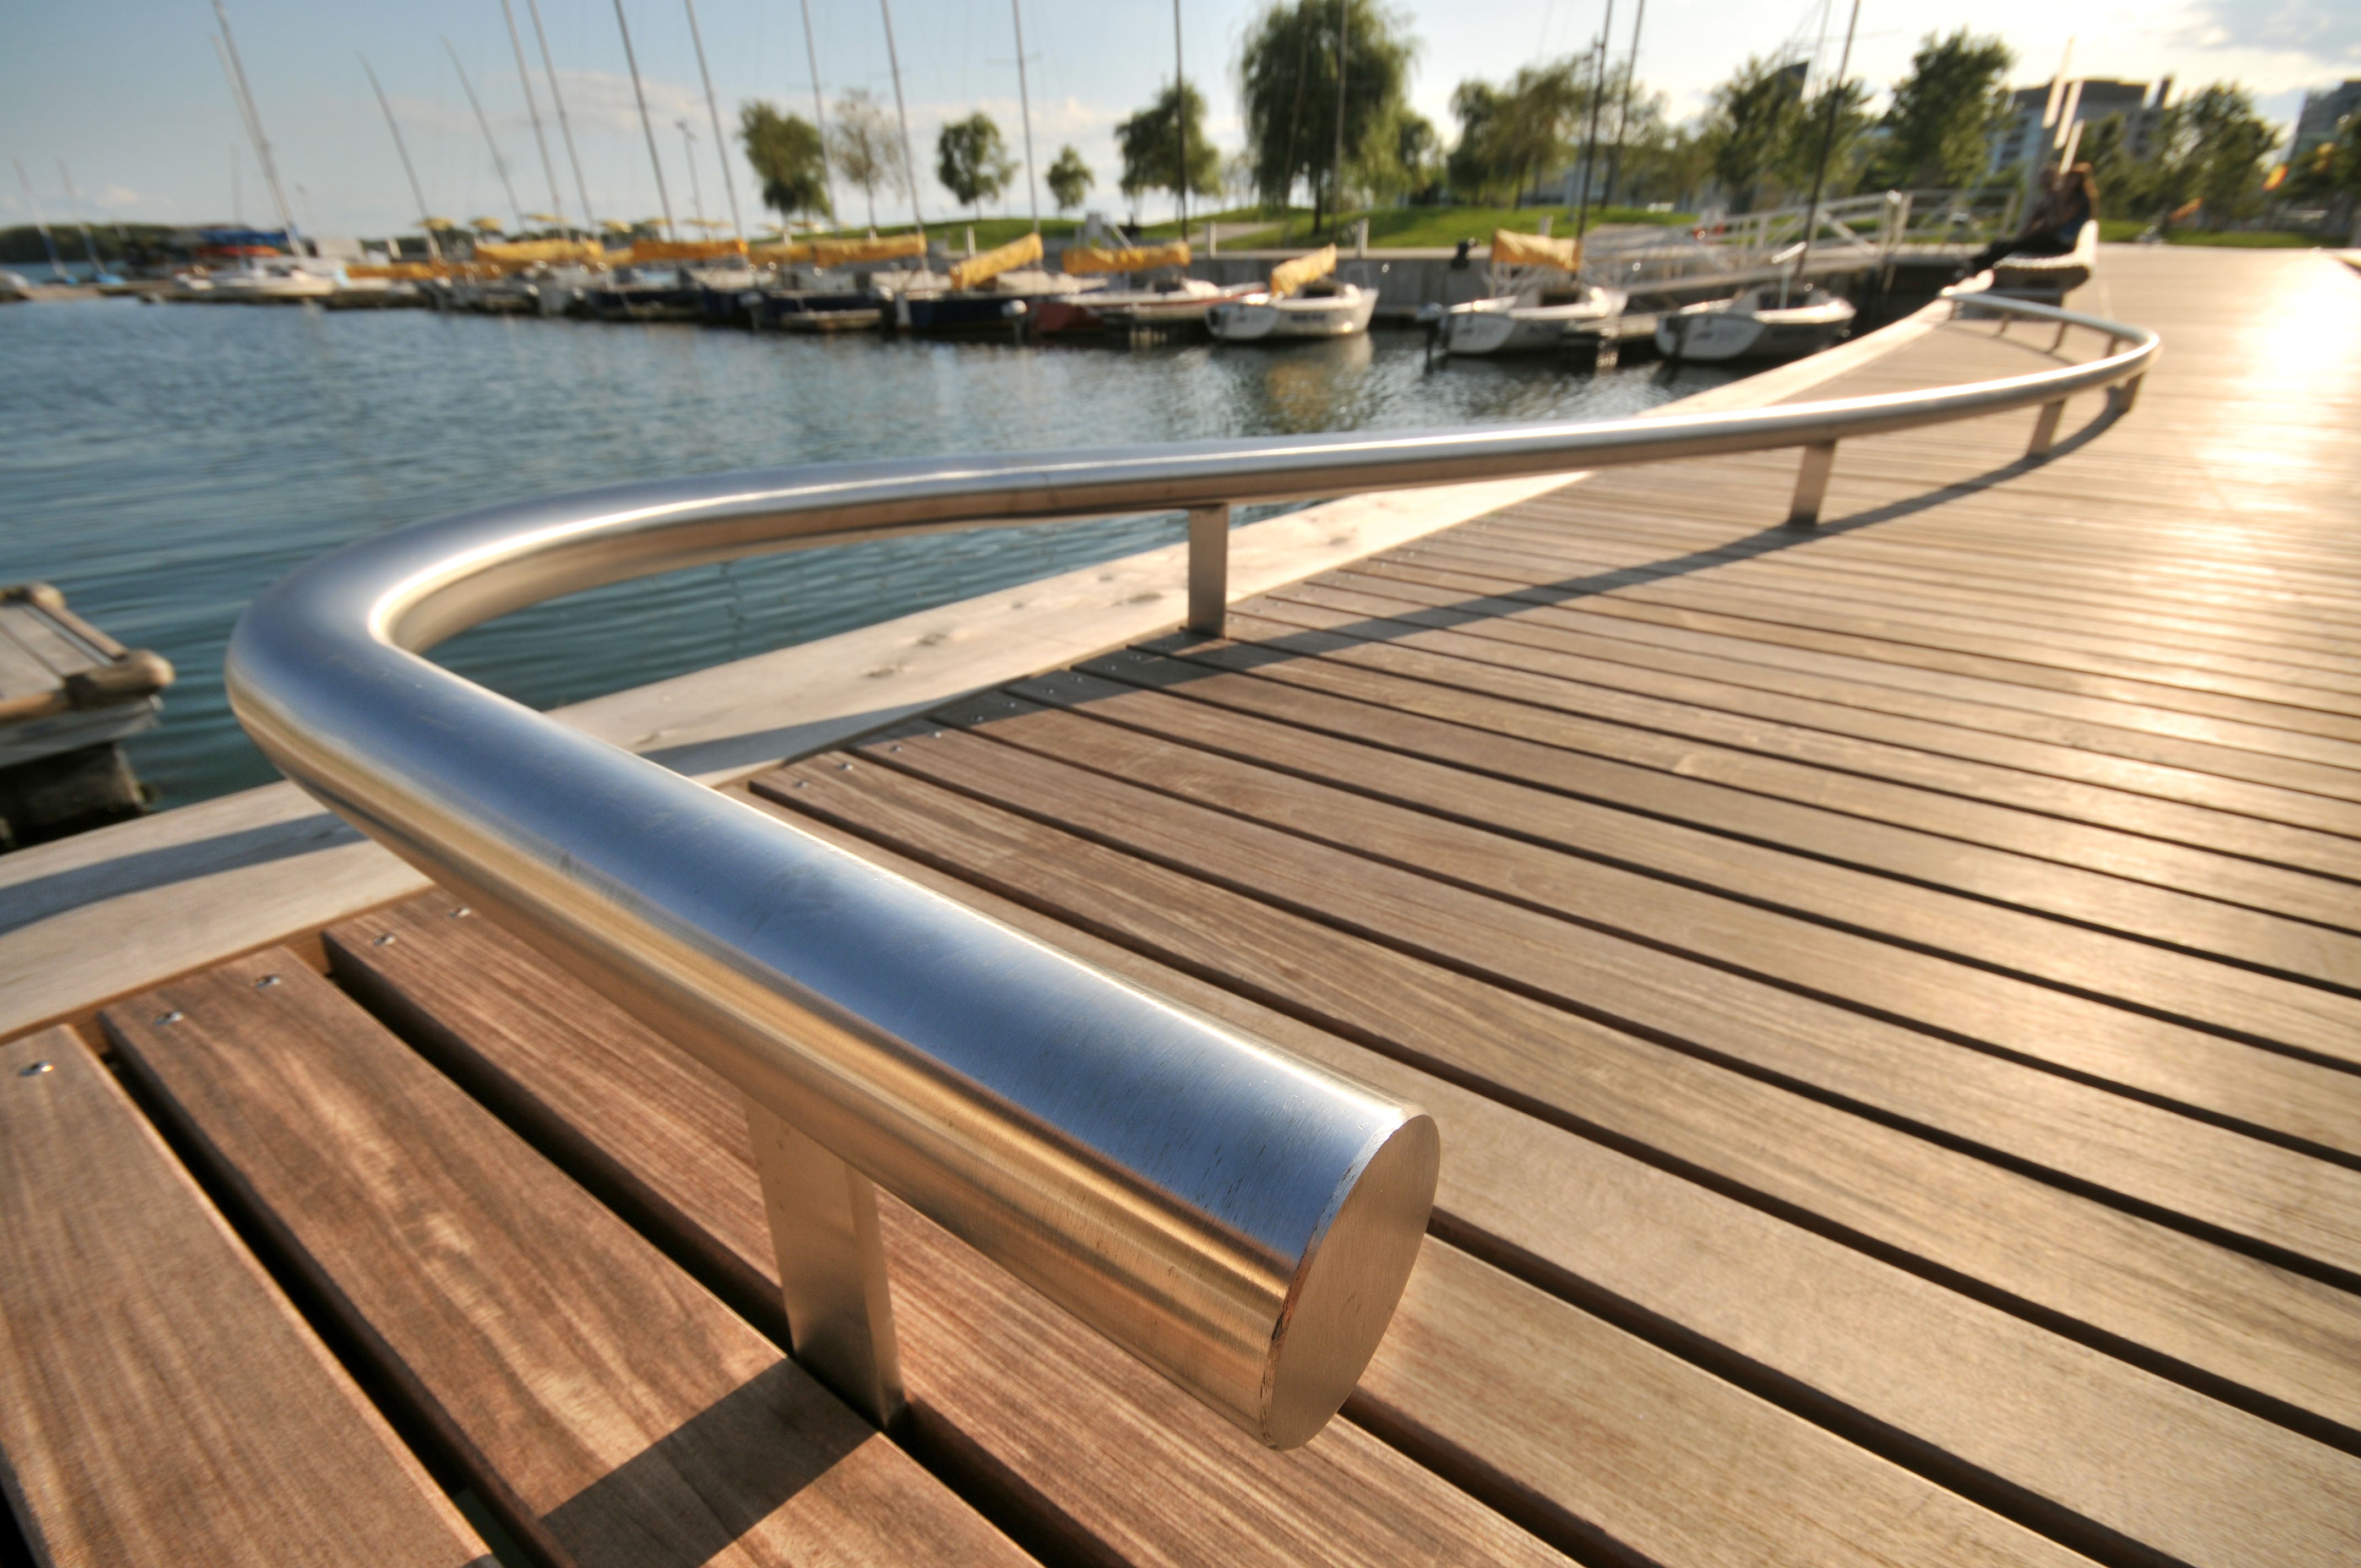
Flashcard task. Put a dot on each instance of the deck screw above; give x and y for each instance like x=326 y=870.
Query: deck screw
x=893 y=748
x=34 y=1070
x=844 y=767
x=935 y=734
x=171 y=1017
x=461 y=912
x=266 y=983
x=800 y=783
x=381 y=941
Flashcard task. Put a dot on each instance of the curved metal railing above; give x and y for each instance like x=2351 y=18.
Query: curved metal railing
x=1240 y=1218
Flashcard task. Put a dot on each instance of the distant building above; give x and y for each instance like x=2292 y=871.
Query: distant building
x=2022 y=139
x=2322 y=113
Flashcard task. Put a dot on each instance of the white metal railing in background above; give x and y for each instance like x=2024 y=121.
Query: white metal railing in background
x=1240 y=1218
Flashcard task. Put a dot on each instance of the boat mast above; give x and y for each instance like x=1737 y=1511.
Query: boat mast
x=1827 y=146
x=909 y=157
x=1180 y=119
x=696 y=190
x=1624 y=114
x=1025 y=102
x=73 y=205
x=720 y=142
x=1336 y=178
x=416 y=193
x=532 y=109
x=564 y=125
x=57 y=267
x=1590 y=148
x=254 y=129
x=499 y=164
x=819 y=118
x=646 y=125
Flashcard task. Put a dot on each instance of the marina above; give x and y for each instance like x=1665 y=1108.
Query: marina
x=1879 y=952
x=1624 y=839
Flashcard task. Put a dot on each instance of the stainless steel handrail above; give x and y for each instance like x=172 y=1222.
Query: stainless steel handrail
x=1240 y=1218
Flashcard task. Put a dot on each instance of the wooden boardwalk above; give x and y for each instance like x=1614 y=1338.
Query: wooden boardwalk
x=1892 y=995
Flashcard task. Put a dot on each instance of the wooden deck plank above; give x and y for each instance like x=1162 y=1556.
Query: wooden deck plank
x=1777 y=859
x=2136 y=735
x=1799 y=611
x=607 y=1409
x=1621 y=762
x=2097 y=619
x=1012 y=1385
x=1893 y=1359
x=160 y=1400
x=2103 y=876
x=2287 y=826
x=1000 y=1380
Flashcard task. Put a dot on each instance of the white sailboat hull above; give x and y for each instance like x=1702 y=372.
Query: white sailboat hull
x=1501 y=325
x=1751 y=327
x=1260 y=318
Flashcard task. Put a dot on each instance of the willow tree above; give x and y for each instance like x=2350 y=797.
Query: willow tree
x=1151 y=142
x=1069 y=178
x=1939 y=128
x=1752 y=126
x=972 y=160
x=788 y=156
x=1287 y=78
x=862 y=146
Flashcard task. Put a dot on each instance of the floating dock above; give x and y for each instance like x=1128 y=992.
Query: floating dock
x=1891 y=992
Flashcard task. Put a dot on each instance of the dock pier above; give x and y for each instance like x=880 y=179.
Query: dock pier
x=1883 y=954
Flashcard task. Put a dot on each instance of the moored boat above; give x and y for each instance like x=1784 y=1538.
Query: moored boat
x=1163 y=299
x=1538 y=298
x=1772 y=321
x=1303 y=302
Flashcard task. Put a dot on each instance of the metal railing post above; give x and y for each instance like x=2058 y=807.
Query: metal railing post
x=1208 y=569
x=2045 y=428
x=2123 y=395
x=1812 y=484
x=823 y=1217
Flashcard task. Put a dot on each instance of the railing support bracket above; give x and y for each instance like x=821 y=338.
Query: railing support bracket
x=1812 y=484
x=2045 y=429
x=2123 y=395
x=1208 y=569
x=823 y=1216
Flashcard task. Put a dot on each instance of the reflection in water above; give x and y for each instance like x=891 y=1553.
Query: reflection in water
x=164 y=463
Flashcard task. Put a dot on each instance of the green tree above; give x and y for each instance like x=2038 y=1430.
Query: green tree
x=1511 y=134
x=1150 y=144
x=789 y=158
x=973 y=162
x=1417 y=155
x=1287 y=81
x=1939 y=128
x=1751 y=127
x=1069 y=178
x=2210 y=149
x=862 y=146
x=1848 y=149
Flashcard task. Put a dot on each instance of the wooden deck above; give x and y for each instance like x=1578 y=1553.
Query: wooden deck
x=1892 y=995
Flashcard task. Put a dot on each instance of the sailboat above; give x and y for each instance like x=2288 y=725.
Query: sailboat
x=1774 y=321
x=1167 y=300
x=1537 y=300
x=1781 y=321
x=1302 y=301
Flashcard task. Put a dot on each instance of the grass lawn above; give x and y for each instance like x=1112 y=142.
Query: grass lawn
x=1391 y=228
x=2124 y=229
x=1406 y=228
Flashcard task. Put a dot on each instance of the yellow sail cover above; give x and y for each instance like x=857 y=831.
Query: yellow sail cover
x=1086 y=259
x=1510 y=249
x=780 y=254
x=1002 y=258
x=680 y=250
x=853 y=252
x=535 y=252
x=1289 y=276
x=400 y=271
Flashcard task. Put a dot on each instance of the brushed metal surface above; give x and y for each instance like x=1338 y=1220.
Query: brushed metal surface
x=1240 y=1218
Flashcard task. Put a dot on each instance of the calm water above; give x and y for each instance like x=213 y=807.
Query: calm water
x=163 y=463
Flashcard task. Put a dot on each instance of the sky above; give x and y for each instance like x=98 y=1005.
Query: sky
x=131 y=92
